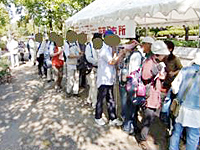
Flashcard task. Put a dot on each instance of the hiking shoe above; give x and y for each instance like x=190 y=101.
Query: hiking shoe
x=115 y=122
x=100 y=122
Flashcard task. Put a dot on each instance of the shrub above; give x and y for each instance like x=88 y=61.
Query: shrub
x=4 y=69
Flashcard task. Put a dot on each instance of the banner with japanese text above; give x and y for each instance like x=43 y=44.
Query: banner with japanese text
x=124 y=29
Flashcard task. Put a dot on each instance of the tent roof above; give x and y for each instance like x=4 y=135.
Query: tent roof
x=143 y=12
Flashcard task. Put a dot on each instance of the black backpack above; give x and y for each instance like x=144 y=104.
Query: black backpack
x=83 y=65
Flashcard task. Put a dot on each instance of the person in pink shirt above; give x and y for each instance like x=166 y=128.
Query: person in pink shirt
x=153 y=71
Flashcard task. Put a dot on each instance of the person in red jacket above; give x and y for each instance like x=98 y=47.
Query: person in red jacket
x=57 y=65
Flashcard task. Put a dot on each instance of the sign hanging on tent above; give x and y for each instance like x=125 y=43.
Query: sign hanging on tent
x=124 y=29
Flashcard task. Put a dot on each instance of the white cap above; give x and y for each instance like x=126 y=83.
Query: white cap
x=159 y=47
x=148 y=39
x=196 y=59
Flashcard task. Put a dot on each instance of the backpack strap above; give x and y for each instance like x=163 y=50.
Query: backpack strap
x=91 y=49
x=39 y=46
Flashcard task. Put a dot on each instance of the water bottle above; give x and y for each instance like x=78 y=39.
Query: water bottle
x=135 y=91
x=124 y=74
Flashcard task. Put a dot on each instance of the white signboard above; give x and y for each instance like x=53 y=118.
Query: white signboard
x=124 y=29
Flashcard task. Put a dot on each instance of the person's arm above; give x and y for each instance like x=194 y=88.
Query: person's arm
x=51 y=49
x=116 y=58
x=89 y=55
x=176 y=83
x=135 y=62
x=178 y=67
x=59 y=52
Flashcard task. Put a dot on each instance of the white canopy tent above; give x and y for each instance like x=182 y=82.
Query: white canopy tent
x=151 y=13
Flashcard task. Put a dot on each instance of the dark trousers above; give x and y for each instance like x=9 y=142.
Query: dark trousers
x=41 y=64
x=131 y=113
x=22 y=57
x=149 y=116
x=105 y=91
x=82 y=80
x=123 y=97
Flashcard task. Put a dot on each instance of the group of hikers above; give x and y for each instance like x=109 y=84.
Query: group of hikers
x=149 y=75
x=18 y=50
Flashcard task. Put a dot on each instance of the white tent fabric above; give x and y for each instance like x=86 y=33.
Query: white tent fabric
x=143 y=12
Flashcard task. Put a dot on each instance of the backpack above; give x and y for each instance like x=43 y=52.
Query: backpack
x=83 y=65
x=73 y=50
x=134 y=82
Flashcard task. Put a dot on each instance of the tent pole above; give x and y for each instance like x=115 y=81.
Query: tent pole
x=145 y=26
x=199 y=35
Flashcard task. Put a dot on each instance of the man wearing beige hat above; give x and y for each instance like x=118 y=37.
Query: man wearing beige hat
x=187 y=87
x=146 y=45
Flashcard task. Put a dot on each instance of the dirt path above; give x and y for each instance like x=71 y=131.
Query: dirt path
x=35 y=117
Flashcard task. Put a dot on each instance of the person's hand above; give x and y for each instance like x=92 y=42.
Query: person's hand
x=162 y=75
x=160 y=66
x=171 y=73
x=60 y=51
x=121 y=53
x=81 y=53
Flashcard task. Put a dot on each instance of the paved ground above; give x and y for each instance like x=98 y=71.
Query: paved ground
x=34 y=117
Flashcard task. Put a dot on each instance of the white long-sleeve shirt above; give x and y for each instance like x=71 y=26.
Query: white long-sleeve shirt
x=41 y=49
x=91 y=54
x=106 y=73
x=13 y=46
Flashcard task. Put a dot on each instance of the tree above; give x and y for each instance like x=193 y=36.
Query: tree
x=4 y=19
x=50 y=13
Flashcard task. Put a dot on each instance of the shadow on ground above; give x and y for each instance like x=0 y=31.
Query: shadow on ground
x=34 y=116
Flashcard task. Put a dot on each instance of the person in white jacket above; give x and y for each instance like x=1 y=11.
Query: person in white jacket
x=32 y=45
x=13 y=48
x=72 y=53
x=92 y=57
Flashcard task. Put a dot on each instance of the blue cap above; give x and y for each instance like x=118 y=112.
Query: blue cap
x=108 y=32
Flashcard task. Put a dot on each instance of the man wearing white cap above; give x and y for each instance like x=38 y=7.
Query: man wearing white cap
x=146 y=45
x=187 y=87
x=152 y=74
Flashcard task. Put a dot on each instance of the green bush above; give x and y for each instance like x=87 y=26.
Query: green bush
x=194 y=32
x=4 y=65
x=177 y=32
x=2 y=45
x=185 y=43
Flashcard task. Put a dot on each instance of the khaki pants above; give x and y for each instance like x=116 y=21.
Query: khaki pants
x=14 y=60
x=72 y=86
x=58 y=74
x=92 y=81
x=33 y=56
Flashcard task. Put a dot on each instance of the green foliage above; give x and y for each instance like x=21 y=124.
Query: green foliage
x=178 y=31
x=193 y=44
x=4 y=19
x=2 y=45
x=50 y=13
x=4 y=65
x=194 y=32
